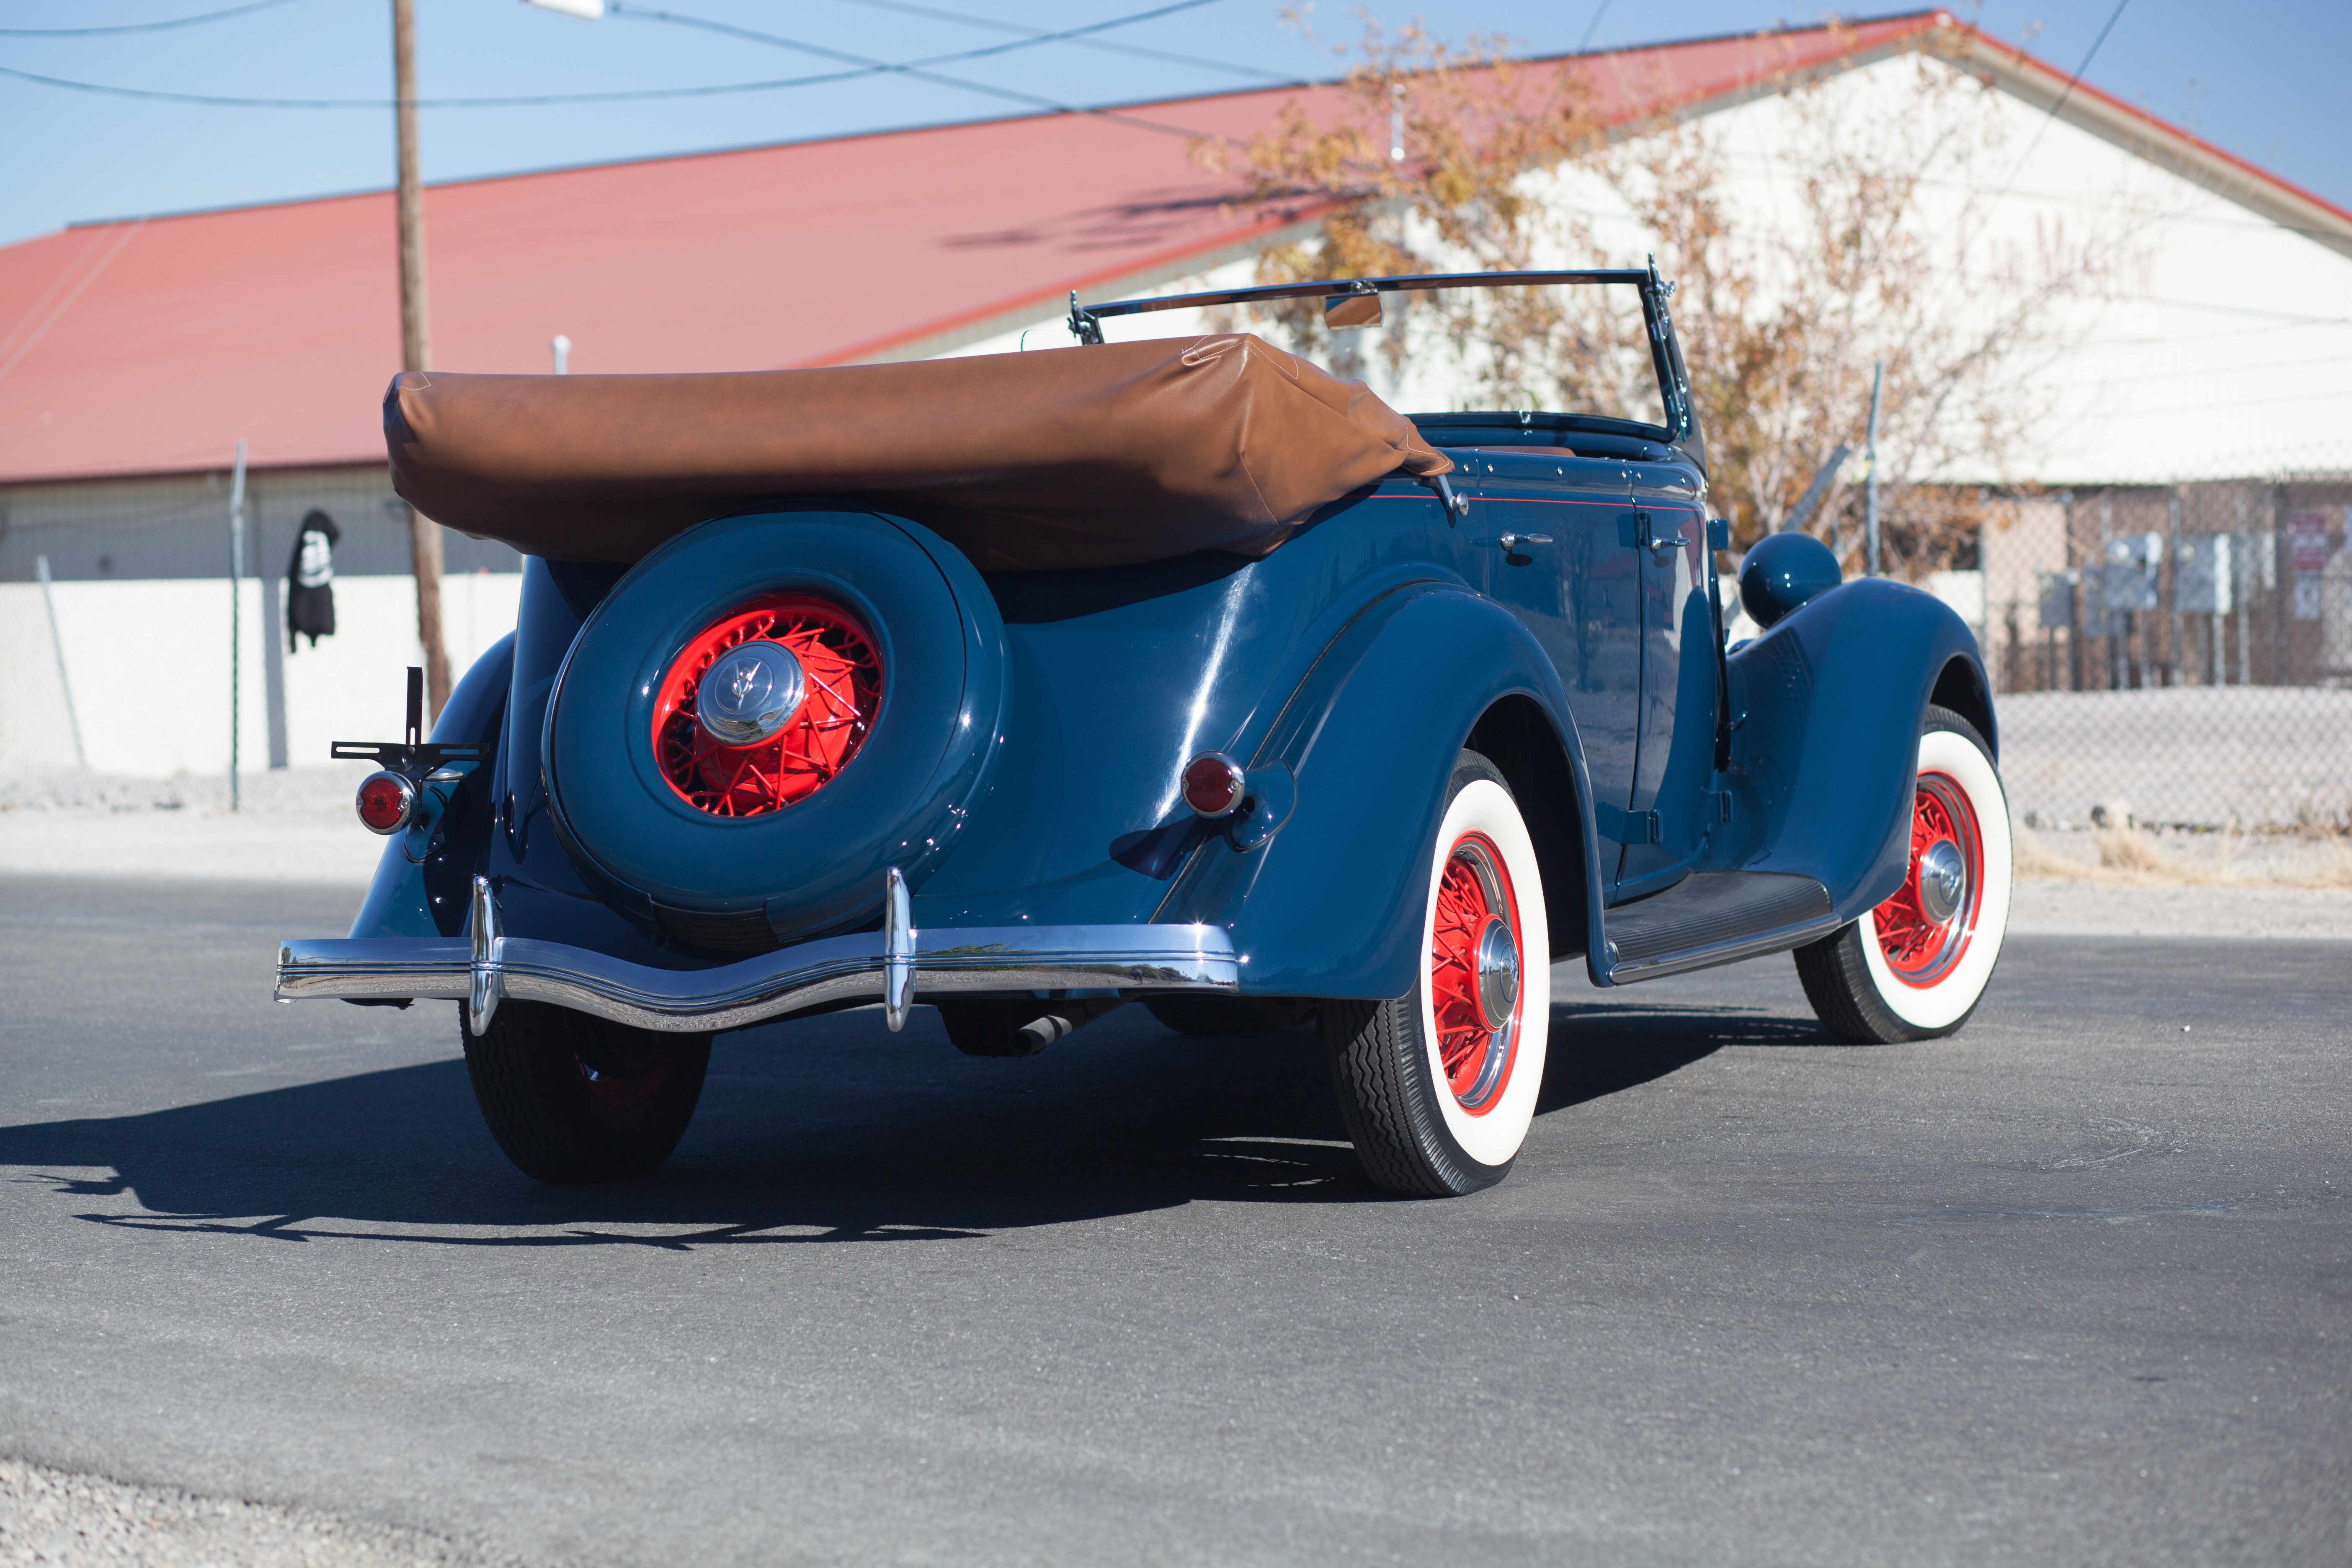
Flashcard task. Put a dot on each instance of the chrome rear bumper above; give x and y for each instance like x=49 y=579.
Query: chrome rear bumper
x=951 y=961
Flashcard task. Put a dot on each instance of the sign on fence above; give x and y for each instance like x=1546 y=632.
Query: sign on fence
x=2131 y=566
x=2307 y=553
x=2057 y=600
x=2203 y=579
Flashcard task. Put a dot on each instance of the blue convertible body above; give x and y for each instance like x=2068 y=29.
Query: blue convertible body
x=1021 y=838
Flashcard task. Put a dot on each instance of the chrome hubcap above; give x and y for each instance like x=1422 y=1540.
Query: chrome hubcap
x=1943 y=881
x=749 y=693
x=1498 y=973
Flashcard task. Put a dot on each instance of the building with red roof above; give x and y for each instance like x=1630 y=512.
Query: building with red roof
x=135 y=354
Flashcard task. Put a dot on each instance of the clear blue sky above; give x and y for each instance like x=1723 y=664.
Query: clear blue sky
x=2263 y=80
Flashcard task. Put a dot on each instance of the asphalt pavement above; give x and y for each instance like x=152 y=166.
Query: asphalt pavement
x=2073 y=1288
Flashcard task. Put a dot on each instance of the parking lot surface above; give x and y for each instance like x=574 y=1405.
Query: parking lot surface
x=2076 y=1287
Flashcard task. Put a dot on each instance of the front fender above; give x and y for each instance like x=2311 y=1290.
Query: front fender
x=1331 y=905
x=1826 y=709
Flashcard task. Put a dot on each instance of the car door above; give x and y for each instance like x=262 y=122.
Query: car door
x=1674 y=764
x=1548 y=524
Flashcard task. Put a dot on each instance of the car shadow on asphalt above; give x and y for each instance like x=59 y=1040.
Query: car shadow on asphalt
x=823 y=1130
x=1599 y=1050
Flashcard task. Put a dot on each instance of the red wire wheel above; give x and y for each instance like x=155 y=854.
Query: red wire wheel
x=627 y=1074
x=842 y=670
x=1925 y=928
x=1473 y=977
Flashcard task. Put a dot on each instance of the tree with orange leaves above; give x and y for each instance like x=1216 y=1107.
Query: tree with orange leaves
x=1880 y=252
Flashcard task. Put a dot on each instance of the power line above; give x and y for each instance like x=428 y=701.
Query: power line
x=2112 y=18
x=914 y=69
x=140 y=26
x=2205 y=372
x=2290 y=318
x=1090 y=43
x=58 y=314
x=208 y=100
x=861 y=67
x=1599 y=11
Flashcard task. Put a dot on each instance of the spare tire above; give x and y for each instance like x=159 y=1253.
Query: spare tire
x=861 y=678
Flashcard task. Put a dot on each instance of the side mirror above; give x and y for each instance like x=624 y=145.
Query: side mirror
x=1351 y=310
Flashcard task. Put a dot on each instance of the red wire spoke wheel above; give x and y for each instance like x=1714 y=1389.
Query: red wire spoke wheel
x=708 y=708
x=1474 y=989
x=1924 y=928
x=572 y=1098
x=625 y=1069
x=1438 y=1087
x=1915 y=967
x=841 y=689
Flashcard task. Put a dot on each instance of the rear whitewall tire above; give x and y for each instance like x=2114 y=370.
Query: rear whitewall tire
x=1493 y=1136
x=1413 y=1131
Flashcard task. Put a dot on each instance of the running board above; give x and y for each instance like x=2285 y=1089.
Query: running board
x=1711 y=917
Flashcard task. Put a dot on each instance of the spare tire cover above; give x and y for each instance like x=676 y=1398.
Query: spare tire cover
x=817 y=864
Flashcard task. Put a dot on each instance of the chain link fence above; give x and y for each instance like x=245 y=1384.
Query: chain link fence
x=2177 y=657
x=118 y=622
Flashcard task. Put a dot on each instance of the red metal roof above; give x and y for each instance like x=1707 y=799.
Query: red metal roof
x=153 y=345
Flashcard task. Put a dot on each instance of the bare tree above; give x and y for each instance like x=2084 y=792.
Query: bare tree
x=1879 y=248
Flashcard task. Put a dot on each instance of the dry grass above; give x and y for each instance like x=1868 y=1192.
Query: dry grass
x=2127 y=857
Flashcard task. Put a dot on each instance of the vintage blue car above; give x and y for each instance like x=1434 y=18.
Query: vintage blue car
x=1175 y=671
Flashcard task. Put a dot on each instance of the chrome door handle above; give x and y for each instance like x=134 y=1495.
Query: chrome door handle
x=1635 y=532
x=1511 y=542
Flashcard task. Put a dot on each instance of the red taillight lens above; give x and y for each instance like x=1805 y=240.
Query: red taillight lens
x=386 y=802
x=841 y=670
x=1213 y=784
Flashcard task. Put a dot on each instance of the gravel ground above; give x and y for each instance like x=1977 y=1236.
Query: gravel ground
x=2211 y=755
x=53 y=1517
x=2054 y=908
x=295 y=826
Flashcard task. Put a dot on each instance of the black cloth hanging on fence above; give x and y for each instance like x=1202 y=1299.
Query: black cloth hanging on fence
x=311 y=580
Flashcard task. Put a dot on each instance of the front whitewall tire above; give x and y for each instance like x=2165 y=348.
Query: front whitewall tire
x=1953 y=995
x=1915 y=967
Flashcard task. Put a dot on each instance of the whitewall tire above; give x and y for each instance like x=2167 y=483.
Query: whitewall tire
x=1915 y=967
x=1439 y=1085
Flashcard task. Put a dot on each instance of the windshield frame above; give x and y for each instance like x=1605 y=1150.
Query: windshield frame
x=1681 y=424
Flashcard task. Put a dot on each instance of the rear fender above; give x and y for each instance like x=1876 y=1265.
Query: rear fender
x=1331 y=904
x=1826 y=709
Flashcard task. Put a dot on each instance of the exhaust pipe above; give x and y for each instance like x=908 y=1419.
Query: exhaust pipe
x=1020 y=1028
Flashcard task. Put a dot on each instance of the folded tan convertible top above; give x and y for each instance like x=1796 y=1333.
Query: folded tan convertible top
x=1100 y=456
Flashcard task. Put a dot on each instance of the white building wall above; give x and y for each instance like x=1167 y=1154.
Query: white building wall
x=148 y=666
x=141 y=597
x=2215 y=344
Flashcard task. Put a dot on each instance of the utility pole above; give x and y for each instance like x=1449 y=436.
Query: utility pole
x=1869 y=480
x=236 y=614
x=416 y=343
x=2172 y=676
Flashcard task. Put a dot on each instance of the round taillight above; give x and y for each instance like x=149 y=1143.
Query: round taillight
x=767 y=705
x=1213 y=784
x=386 y=802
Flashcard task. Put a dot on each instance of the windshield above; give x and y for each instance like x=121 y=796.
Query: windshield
x=1580 y=346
